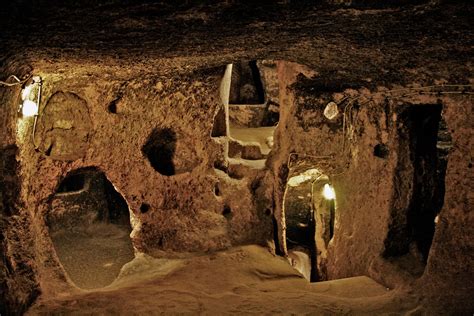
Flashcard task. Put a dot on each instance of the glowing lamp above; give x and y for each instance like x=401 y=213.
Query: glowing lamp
x=328 y=192
x=29 y=108
x=31 y=96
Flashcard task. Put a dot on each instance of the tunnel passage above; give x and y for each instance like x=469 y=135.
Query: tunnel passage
x=300 y=228
x=424 y=144
x=309 y=213
x=89 y=224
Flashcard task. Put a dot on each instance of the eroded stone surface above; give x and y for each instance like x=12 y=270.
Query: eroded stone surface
x=156 y=73
x=65 y=127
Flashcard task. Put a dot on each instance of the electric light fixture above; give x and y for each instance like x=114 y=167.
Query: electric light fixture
x=328 y=192
x=30 y=97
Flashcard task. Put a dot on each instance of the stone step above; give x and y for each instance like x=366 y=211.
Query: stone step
x=249 y=151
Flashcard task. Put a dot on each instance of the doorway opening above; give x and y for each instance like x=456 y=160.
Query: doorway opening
x=424 y=144
x=309 y=216
x=89 y=224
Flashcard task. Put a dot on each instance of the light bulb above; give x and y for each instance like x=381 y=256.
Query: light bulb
x=29 y=108
x=328 y=192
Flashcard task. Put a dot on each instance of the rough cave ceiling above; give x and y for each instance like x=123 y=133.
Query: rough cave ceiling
x=367 y=40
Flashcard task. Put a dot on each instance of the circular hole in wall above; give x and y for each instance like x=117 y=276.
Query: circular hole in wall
x=227 y=212
x=381 y=151
x=217 y=190
x=160 y=149
x=112 y=107
x=144 y=208
x=170 y=153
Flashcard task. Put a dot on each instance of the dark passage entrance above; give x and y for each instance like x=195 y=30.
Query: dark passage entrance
x=424 y=143
x=89 y=224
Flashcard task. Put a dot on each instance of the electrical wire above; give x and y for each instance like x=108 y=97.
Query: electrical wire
x=348 y=120
x=38 y=102
x=16 y=83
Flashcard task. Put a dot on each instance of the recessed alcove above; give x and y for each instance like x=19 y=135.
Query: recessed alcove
x=89 y=225
x=253 y=108
x=246 y=85
x=160 y=149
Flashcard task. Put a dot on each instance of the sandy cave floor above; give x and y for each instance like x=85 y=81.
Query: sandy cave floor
x=242 y=280
x=101 y=249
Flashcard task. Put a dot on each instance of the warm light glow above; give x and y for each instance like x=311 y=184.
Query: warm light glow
x=328 y=192
x=25 y=94
x=303 y=177
x=30 y=96
x=29 y=108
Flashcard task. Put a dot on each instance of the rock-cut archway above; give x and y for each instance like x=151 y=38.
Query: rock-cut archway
x=89 y=224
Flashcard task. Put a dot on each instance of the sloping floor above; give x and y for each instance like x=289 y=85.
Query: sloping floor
x=244 y=280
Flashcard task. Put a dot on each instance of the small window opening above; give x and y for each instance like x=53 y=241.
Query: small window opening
x=219 y=127
x=217 y=190
x=144 y=208
x=160 y=149
x=72 y=183
x=246 y=85
x=381 y=151
x=112 y=107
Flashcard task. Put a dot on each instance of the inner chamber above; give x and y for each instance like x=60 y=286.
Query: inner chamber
x=89 y=224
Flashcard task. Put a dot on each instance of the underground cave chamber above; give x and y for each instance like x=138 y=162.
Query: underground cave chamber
x=192 y=168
